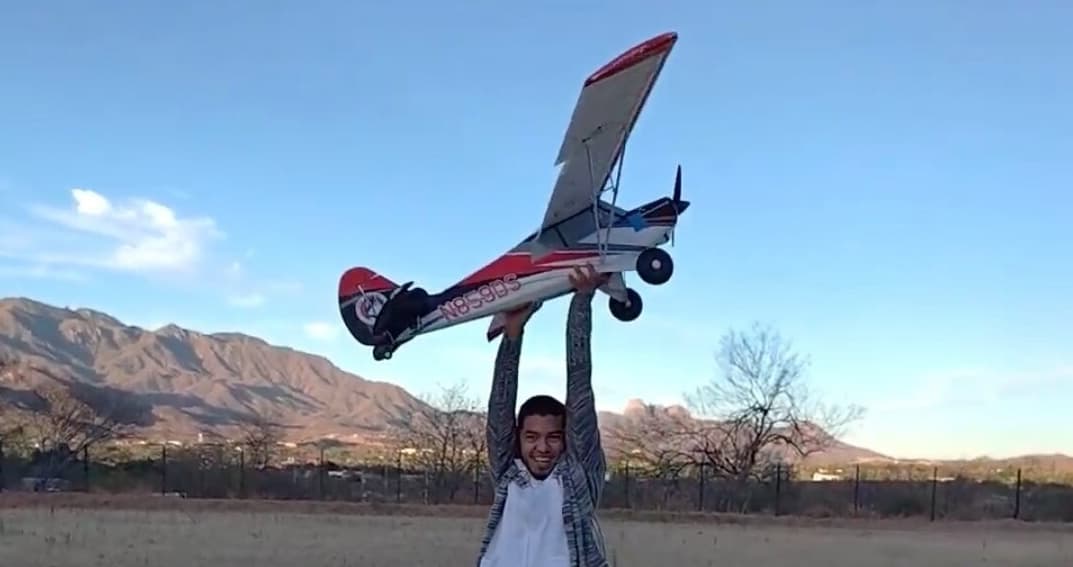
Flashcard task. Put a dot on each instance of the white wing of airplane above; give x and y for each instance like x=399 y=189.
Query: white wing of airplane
x=603 y=118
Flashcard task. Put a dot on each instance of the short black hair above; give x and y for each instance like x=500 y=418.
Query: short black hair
x=540 y=405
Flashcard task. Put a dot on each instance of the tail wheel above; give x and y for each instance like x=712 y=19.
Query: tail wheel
x=382 y=352
x=629 y=310
x=655 y=266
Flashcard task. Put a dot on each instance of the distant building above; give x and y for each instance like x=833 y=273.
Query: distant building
x=825 y=476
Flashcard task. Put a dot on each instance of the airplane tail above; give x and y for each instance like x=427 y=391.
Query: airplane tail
x=362 y=293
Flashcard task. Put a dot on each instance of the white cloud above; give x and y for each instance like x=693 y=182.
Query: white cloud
x=90 y=203
x=139 y=235
x=247 y=300
x=248 y=292
x=321 y=330
x=40 y=271
x=146 y=237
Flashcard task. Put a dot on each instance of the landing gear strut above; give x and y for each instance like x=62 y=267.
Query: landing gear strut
x=629 y=310
x=655 y=266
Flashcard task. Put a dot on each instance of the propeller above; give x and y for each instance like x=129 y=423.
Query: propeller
x=676 y=198
x=678 y=185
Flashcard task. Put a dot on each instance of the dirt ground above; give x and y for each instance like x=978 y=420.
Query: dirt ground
x=158 y=531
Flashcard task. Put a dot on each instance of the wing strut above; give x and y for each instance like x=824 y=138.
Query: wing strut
x=603 y=236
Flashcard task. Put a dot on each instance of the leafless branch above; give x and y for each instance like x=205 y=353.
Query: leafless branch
x=261 y=435
x=760 y=410
x=59 y=425
x=446 y=437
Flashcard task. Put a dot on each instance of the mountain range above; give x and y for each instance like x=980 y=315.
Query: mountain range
x=181 y=383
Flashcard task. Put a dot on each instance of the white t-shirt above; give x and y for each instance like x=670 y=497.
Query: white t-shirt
x=530 y=532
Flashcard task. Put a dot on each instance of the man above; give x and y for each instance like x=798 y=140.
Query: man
x=548 y=465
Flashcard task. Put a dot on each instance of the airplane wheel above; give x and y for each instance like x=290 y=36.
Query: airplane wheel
x=655 y=266
x=626 y=311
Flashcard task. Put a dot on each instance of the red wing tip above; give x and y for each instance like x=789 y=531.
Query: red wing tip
x=634 y=55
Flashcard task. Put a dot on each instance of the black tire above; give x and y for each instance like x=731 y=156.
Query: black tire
x=381 y=353
x=629 y=311
x=655 y=266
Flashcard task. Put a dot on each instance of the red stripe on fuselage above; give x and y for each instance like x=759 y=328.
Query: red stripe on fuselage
x=521 y=264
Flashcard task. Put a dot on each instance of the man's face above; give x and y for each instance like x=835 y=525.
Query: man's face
x=541 y=443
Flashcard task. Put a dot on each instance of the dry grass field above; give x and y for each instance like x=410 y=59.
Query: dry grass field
x=84 y=531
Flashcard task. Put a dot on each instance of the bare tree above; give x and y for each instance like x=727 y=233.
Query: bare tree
x=260 y=436
x=760 y=409
x=447 y=436
x=10 y=414
x=657 y=442
x=475 y=443
x=656 y=445
x=58 y=425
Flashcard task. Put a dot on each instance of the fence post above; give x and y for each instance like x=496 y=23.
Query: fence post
x=163 y=469
x=85 y=466
x=398 y=477
x=241 y=472
x=476 y=479
x=778 y=486
x=700 y=489
x=934 y=488
x=1017 y=498
x=857 y=490
x=320 y=473
x=627 y=487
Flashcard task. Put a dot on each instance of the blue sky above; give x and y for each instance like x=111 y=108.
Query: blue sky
x=887 y=184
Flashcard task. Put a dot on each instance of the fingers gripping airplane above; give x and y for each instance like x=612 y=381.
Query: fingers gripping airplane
x=579 y=227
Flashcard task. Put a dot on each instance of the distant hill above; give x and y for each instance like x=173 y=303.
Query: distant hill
x=192 y=383
x=185 y=382
x=638 y=416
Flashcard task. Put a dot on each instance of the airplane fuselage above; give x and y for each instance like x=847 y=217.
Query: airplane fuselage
x=538 y=268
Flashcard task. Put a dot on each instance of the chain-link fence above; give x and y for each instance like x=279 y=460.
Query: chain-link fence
x=222 y=471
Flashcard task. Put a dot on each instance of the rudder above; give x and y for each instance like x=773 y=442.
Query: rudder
x=362 y=293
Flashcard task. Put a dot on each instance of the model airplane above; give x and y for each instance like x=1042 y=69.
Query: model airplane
x=579 y=228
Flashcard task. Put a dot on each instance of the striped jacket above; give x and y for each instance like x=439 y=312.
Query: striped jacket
x=581 y=466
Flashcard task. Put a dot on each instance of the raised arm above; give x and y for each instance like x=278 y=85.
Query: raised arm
x=582 y=429
x=501 y=403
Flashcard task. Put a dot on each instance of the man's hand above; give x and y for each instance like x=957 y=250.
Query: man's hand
x=515 y=320
x=588 y=279
x=584 y=280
